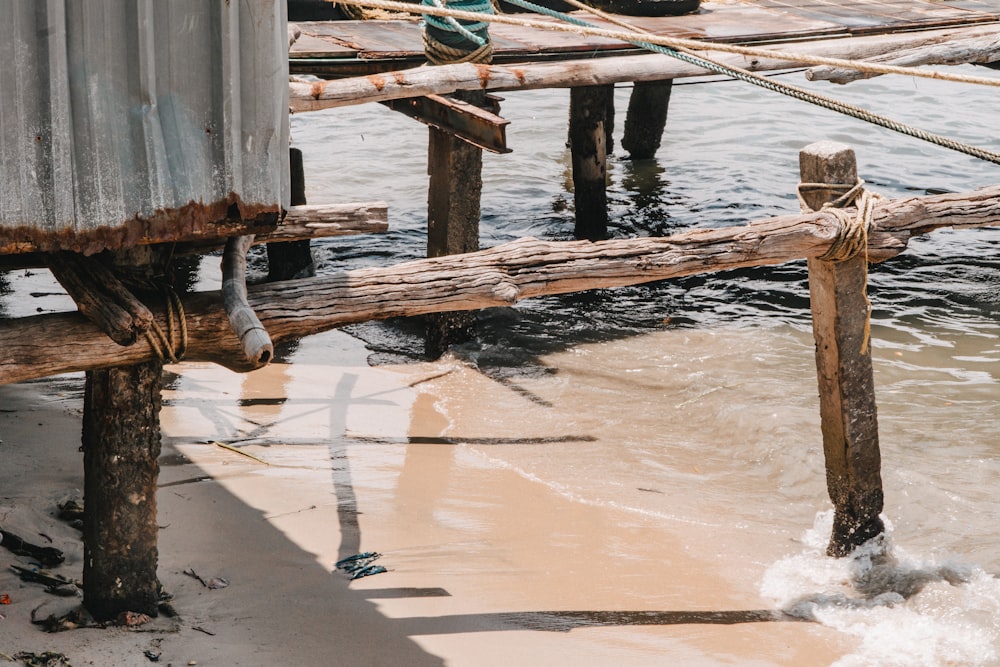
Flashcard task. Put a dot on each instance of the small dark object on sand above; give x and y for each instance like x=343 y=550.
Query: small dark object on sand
x=360 y=565
x=47 y=556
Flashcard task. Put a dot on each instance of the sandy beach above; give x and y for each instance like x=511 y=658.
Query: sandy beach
x=485 y=566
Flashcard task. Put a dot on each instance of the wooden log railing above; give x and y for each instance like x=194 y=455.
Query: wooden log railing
x=50 y=344
x=971 y=44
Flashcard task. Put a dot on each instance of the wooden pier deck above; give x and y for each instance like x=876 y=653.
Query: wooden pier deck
x=352 y=48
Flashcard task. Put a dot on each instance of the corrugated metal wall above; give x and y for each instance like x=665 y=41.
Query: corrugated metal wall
x=131 y=120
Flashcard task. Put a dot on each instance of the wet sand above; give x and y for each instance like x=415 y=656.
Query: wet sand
x=485 y=565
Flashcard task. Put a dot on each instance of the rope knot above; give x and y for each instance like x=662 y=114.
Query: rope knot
x=852 y=235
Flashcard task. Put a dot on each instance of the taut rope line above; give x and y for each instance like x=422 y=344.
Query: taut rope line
x=677 y=42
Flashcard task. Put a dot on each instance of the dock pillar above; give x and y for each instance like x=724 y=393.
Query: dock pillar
x=121 y=445
x=646 y=118
x=453 y=209
x=840 y=311
x=455 y=167
x=589 y=130
x=292 y=259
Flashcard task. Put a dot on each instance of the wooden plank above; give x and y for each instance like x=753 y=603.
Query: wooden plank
x=734 y=23
x=380 y=46
x=393 y=38
x=311 y=46
x=881 y=15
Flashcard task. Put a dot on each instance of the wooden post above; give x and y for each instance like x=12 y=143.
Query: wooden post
x=121 y=444
x=453 y=208
x=588 y=138
x=292 y=259
x=844 y=367
x=646 y=118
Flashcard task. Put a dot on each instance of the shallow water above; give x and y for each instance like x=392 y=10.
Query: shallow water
x=698 y=396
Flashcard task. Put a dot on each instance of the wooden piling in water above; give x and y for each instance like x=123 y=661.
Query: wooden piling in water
x=840 y=311
x=453 y=209
x=455 y=168
x=292 y=259
x=646 y=118
x=589 y=123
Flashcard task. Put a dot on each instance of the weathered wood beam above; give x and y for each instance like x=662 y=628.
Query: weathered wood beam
x=300 y=222
x=445 y=79
x=45 y=345
x=979 y=50
x=100 y=296
x=315 y=221
x=840 y=312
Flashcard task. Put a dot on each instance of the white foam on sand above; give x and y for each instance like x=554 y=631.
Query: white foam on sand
x=904 y=611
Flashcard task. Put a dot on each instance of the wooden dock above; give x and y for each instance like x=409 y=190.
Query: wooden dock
x=352 y=48
x=118 y=339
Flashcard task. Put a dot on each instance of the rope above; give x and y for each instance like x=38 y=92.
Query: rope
x=852 y=236
x=449 y=41
x=681 y=49
x=852 y=233
x=678 y=43
x=789 y=90
x=163 y=344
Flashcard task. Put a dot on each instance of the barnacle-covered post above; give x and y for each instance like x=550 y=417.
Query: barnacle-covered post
x=127 y=129
x=454 y=166
x=646 y=118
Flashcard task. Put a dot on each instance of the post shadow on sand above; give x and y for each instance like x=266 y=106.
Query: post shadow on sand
x=882 y=584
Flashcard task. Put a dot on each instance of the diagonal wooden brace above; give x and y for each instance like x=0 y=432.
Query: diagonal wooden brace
x=100 y=296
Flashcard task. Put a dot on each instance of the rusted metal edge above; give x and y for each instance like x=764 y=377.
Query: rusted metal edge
x=470 y=123
x=192 y=222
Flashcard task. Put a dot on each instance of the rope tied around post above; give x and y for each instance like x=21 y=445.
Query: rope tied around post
x=163 y=343
x=852 y=235
x=448 y=40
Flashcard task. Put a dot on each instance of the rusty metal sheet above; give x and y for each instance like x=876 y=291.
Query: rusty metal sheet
x=474 y=125
x=125 y=122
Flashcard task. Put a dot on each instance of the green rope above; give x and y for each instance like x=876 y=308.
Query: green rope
x=794 y=92
x=448 y=40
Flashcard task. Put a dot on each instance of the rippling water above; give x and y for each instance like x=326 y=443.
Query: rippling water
x=729 y=356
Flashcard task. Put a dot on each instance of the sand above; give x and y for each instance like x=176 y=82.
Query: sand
x=485 y=566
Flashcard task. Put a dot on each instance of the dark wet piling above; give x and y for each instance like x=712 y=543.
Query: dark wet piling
x=292 y=259
x=646 y=118
x=590 y=125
